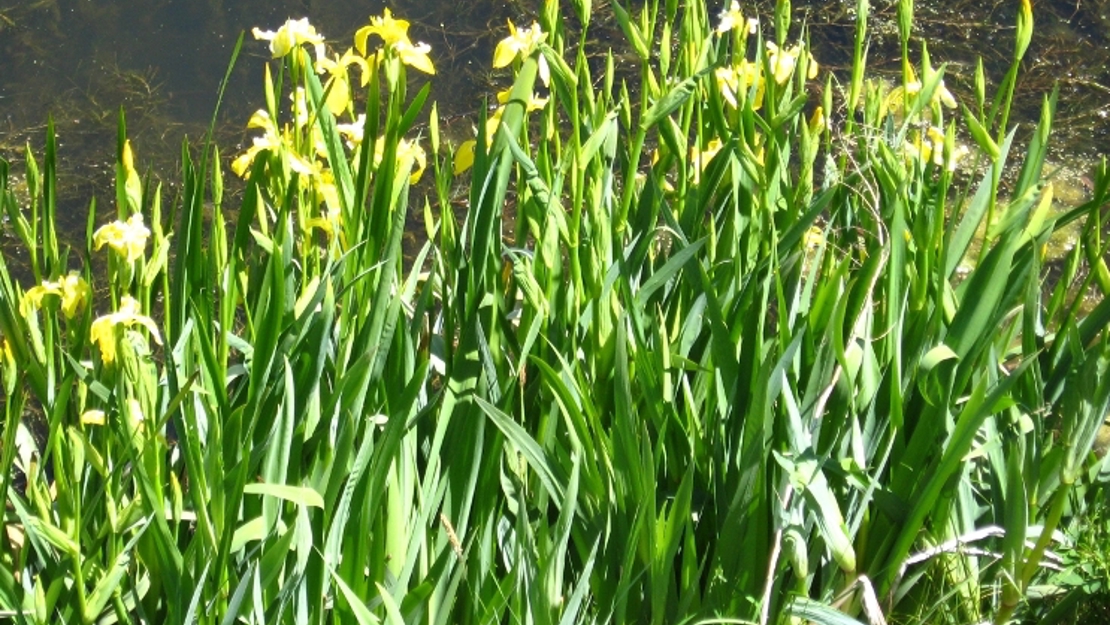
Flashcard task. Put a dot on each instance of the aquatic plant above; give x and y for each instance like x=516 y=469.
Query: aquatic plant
x=708 y=345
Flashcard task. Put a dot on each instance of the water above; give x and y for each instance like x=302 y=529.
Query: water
x=162 y=61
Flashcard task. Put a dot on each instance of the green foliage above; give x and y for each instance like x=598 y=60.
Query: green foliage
x=731 y=354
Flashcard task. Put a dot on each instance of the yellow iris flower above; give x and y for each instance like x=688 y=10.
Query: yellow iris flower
x=274 y=140
x=930 y=148
x=271 y=140
x=700 y=157
x=731 y=18
x=128 y=238
x=292 y=34
x=405 y=149
x=103 y=333
x=940 y=96
x=72 y=289
x=390 y=30
x=353 y=131
x=900 y=98
x=522 y=42
x=739 y=79
x=784 y=60
x=464 y=154
x=339 y=83
x=415 y=55
x=395 y=34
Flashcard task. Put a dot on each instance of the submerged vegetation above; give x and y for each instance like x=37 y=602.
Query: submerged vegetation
x=709 y=343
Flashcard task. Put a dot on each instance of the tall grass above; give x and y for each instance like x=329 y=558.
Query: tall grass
x=728 y=356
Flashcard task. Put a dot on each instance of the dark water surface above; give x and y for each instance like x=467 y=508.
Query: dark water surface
x=162 y=61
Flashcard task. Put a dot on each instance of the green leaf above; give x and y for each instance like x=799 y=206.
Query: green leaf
x=362 y=614
x=665 y=273
x=819 y=613
x=526 y=445
x=392 y=612
x=631 y=31
x=109 y=584
x=673 y=99
x=986 y=143
x=300 y=495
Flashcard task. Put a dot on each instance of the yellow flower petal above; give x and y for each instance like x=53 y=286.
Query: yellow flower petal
x=353 y=131
x=817 y=121
x=520 y=42
x=75 y=292
x=415 y=56
x=464 y=156
x=32 y=299
x=93 y=417
x=504 y=53
x=412 y=149
x=944 y=96
x=102 y=333
x=730 y=18
x=534 y=103
x=242 y=164
x=782 y=61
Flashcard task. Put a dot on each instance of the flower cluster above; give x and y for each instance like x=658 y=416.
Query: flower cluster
x=299 y=146
x=929 y=146
x=737 y=80
x=783 y=61
x=521 y=43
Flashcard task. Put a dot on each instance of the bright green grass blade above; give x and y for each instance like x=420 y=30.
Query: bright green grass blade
x=984 y=402
x=819 y=613
x=976 y=321
x=526 y=446
x=960 y=239
x=300 y=495
x=667 y=272
x=392 y=612
x=109 y=584
x=337 y=158
x=238 y=598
